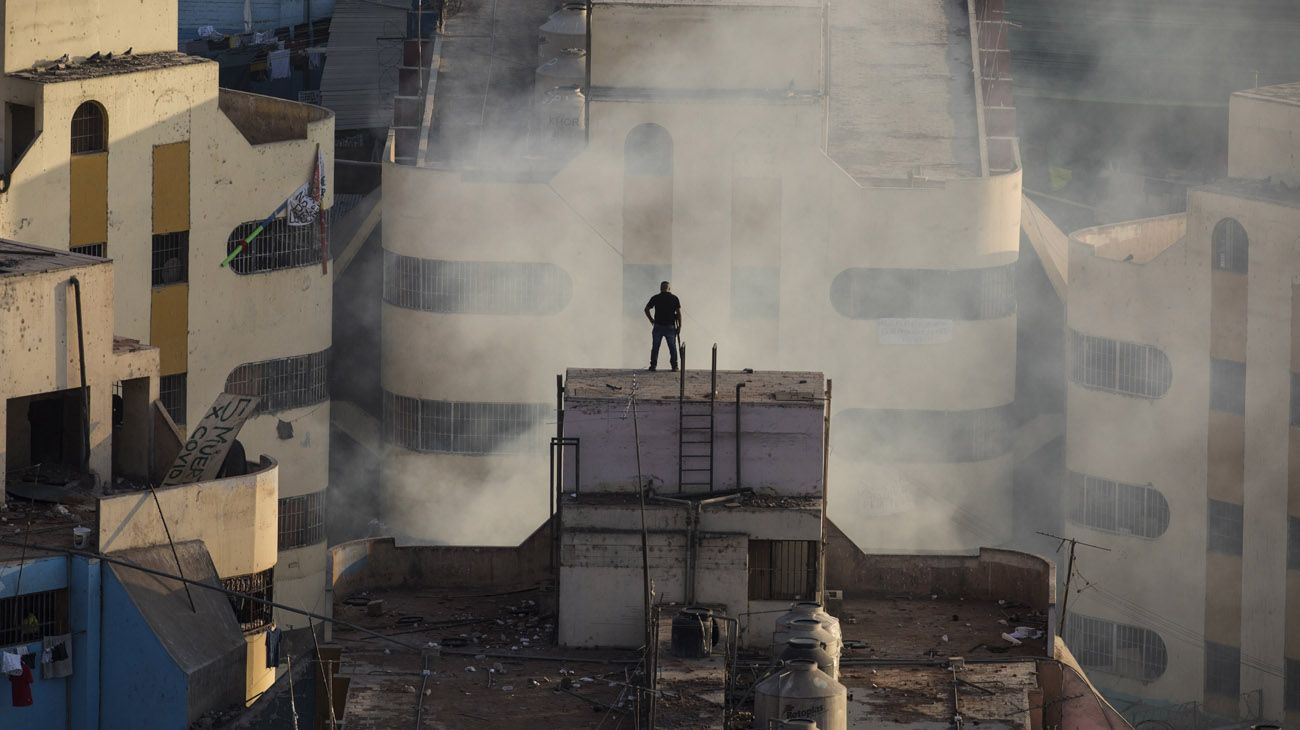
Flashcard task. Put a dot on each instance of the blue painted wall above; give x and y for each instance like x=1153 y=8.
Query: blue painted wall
x=141 y=686
x=84 y=614
x=49 y=707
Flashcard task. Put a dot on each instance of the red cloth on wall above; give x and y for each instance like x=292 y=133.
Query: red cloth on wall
x=21 y=685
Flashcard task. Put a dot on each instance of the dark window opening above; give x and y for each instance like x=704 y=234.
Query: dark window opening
x=22 y=131
x=302 y=520
x=1222 y=669
x=43 y=440
x=251 y=615
x=1231 y=247
x=782 y=570
x=464 y=428
x=284 y=383
x=171 y=391
x=171 y=258
x=33 y=616
x=89 y=129
x=970 y=294
x=91 y=249
x=1224 y=529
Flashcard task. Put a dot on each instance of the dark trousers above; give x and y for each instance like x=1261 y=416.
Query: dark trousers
x=663 y=332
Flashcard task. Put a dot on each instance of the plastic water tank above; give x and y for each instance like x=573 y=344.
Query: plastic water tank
x=569 y=68
x=566 y=28
x=811 y=627
x=560 y=119
x=800 y=691
x=806 y=647
x=693 y=633
x=797 y=724
x=810 y=609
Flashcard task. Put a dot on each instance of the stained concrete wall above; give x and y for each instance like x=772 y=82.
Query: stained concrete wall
x=35 y=32
x=1263 y=123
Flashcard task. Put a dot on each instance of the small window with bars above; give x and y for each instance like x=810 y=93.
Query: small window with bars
x=278 y=246
x=1222 y=669
x=476 y=287
x=89 y=129
x=91 y=249
x=251 y=615
x=284 y=383
x=1120 y=367
x=1224 y=530
x=464 y=428
x=33 y=616
x=1127 y=509
x=1106 y=646
x=171 y=258
x=1231 y=247
x=302 y=520
x=171 y=391
x=782 y=570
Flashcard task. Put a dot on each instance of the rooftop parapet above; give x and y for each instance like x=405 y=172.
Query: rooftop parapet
x=1135 y=242
x=265 y=119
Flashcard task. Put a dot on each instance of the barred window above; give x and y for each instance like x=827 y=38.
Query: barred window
x=782 y=570
x=89 y=129
x=1127 y=509
x=1120 y=367
x=302 y=520
x=1228 y=386
x=33 y=616
x=1224 y=530
x=1222 y=669
x=755 y=292
x=278 y=246
x=475 y=287
x=464 y=428
x=1106 y=646
x=91 y=249
x=283 y=383
x=1231 y=247
x=968 y=294
x=250 y=614
x=915 y=435
x=171 y=391
x=171 y=258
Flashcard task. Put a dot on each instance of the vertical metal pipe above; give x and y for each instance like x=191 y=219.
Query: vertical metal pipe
x=739 y=485
x=826 y=456
x=85 y=391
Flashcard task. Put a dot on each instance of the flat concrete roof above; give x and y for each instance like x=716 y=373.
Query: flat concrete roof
x=1263 y=190
x=763 y=386
x=21 y=258
x=1281 y=94
x=119 y=64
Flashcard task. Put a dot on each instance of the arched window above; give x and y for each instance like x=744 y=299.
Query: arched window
x=648 y=150
x=1126 y=509
x=1106 y=646
x=457 y=427
x=89 y=129
x=1231 y=247
x=284 y=383
x=1119 y=367
x=475 y=287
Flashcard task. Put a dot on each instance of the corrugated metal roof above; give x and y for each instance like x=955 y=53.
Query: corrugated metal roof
x=360 y=77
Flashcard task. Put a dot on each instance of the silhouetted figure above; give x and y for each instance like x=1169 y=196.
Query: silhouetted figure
x=666 y=322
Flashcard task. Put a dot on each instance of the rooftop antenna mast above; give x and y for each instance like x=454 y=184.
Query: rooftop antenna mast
x=1069 y=571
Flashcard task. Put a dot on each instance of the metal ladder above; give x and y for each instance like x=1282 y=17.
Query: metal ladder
x=695 y=433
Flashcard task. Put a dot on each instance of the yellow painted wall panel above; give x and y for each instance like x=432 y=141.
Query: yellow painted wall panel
x=169 y=327
x=171 y=187
x=89 y=199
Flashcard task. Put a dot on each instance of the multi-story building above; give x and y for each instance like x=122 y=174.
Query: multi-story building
x=819 y=200
x=118 y=146
x=139 y=649
x=1184 y=341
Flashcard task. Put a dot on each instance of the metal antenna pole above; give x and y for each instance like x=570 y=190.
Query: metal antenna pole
x=1069 y=571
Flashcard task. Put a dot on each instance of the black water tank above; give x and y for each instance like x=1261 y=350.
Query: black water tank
x=693 y=633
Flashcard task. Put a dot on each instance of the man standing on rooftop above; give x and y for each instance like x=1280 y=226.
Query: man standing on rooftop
x=666 y=322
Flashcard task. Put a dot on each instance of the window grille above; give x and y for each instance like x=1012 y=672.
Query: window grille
x=1231 y=247
x=302 y=520
x=33 y=616
x=970 y=294
x=91 y=249
x=89 y=129
x=1222 y=669
x=475 y=287
x=1106 y=646
x=278 y=246
x=464 y=428
x=782 y=570
x=1119 y=367
x=755 y=292
x=251 y=615
x=1224 y=531
x=1228 y=386
x=1127 y=509
x=171 y=391
x=1293 y=542
x=1291 y=696
x=171 y=258
x=284 y=383
x=925 y=436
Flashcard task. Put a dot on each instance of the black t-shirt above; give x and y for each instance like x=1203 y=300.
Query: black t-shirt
x=665 y=305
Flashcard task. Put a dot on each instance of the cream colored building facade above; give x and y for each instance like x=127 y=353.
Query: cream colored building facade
x=42 y=343
x=116 y=145
x=1183 y=453
x=808 y=218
